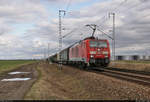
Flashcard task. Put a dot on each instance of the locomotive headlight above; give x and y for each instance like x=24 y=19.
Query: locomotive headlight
x=92 y=52
x=92 y=56
x=105 y=52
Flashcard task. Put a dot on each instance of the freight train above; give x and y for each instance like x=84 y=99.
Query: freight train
x=88 y=52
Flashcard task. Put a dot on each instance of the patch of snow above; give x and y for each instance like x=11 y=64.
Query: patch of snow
x=18 y=73
x=16 y=79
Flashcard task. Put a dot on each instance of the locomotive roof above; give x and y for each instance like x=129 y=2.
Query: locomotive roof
x=91 y=37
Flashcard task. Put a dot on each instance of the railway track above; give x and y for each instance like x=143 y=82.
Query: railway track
x=138 y=77
x=129 y=71
x=135 y=77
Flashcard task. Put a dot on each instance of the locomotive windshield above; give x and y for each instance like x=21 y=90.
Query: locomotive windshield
x=98 y=44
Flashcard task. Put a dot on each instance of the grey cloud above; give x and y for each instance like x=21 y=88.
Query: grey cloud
x=132 y=29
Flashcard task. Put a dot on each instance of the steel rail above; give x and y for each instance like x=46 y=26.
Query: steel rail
x=136 y=78
x=128 y=71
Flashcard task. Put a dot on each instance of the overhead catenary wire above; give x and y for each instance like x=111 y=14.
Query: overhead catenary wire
x=120 y=4
x=73 y=30
x=72 y=33
x=104 y=33
x=67 y=8
x=101 y=20
x=131 y=7
x=105 y=17
x=116 y=8
x=68 y=5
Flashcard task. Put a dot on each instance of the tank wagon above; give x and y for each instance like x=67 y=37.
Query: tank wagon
x=88 y=52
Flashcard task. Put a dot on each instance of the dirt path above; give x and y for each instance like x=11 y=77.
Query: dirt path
x=16 y=90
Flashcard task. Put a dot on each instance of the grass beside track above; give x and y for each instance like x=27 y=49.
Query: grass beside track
x=142 y=62
x=8 y=65
x=56 y=84
x=131 y=65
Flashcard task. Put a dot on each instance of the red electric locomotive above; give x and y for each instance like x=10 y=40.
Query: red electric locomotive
x=90 y=52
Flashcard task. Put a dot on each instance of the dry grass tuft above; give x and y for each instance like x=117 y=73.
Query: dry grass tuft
x=140 y=66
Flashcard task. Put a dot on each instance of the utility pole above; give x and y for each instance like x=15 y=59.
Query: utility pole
x=113 y=43
x=60 y=38
x=44 y=54
x=48 y=53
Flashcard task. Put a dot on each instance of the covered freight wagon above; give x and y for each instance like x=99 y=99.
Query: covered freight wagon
x=65 y=56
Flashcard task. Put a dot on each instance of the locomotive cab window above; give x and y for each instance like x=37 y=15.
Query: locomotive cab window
x=93 y=44
x=102 y=44
x=98 y=44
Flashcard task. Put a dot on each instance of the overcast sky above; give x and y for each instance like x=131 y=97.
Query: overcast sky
x=27 y=26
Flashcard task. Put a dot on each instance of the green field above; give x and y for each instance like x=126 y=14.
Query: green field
x=8 y=65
